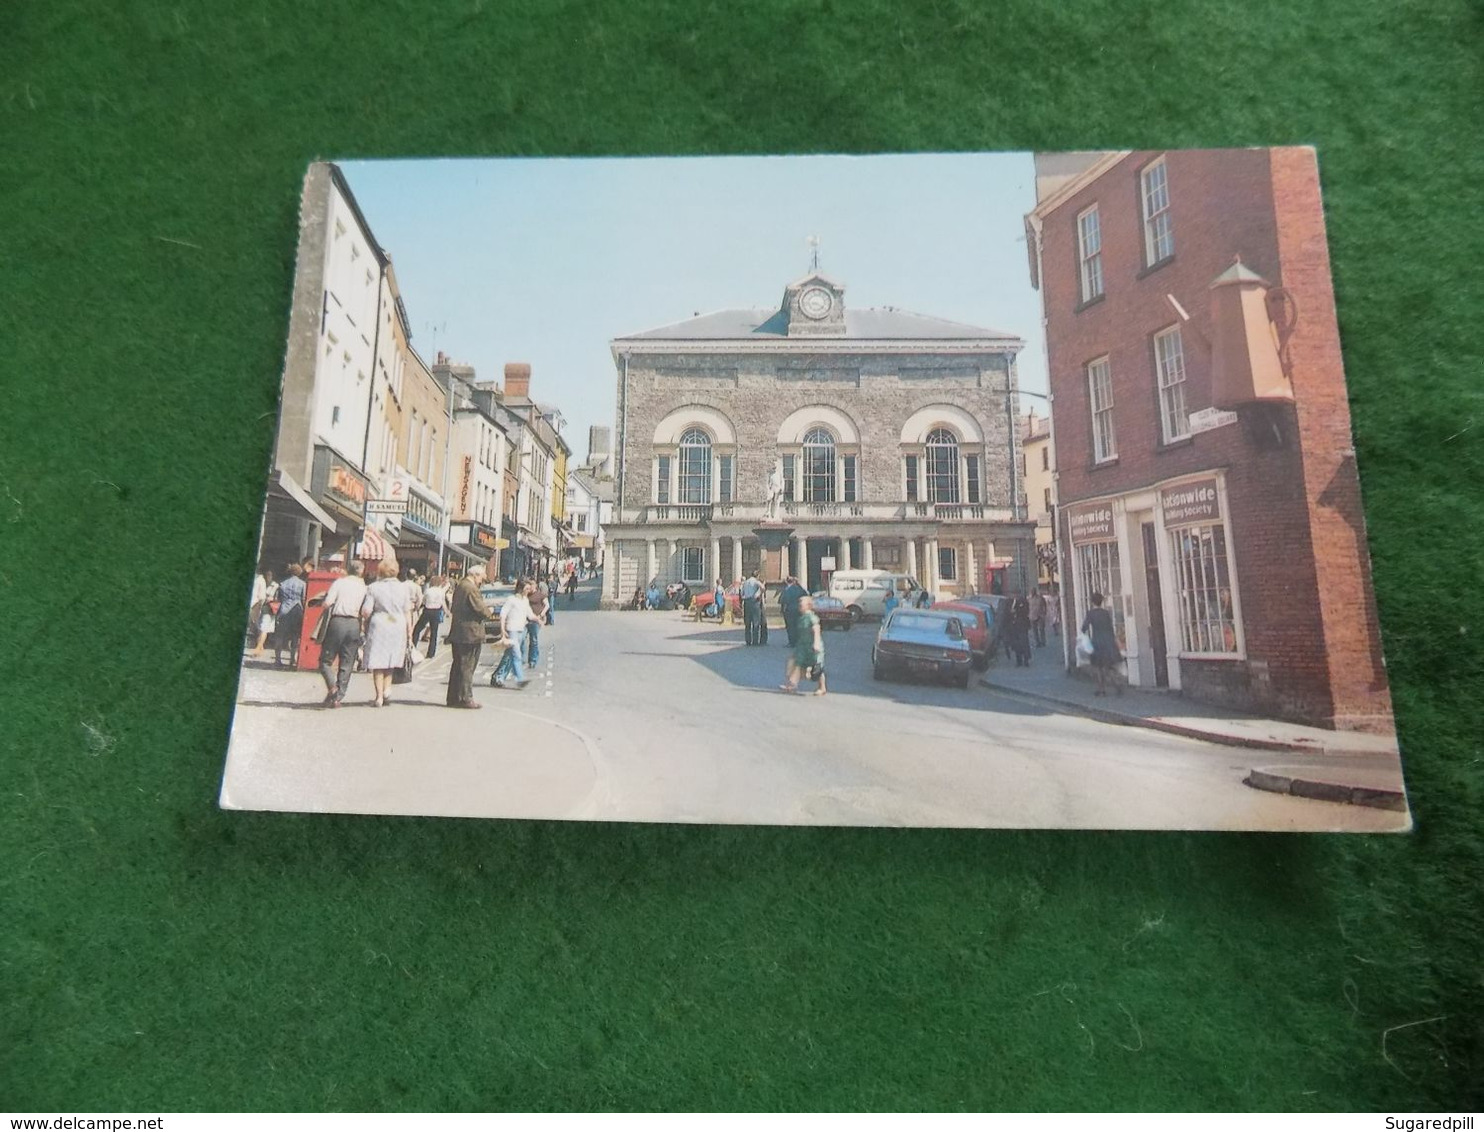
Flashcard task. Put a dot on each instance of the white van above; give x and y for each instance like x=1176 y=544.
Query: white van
x=864 y=591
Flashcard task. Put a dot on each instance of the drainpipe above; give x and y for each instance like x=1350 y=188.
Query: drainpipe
x=447 y=451
x=623 y=429
x=623 y=463
x=1063 y=563
x=371 y=393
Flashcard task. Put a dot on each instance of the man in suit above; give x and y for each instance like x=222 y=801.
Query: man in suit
x=466 y=638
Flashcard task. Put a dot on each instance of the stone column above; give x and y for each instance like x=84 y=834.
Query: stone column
x=912 y=559
x=971 y=576
x=844 y=563
x=866 y=554
x=713 y=567
x=930 y=567
x=796 y=556
x=653 y=568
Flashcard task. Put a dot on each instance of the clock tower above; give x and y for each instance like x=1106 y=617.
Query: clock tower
x=814 y=307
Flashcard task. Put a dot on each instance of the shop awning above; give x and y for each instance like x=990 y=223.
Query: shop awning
x=581 y=542
x=465 y=554
x=374 y=547
x=283 y=489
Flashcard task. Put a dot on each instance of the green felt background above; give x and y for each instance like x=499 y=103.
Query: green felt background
x=156 y=953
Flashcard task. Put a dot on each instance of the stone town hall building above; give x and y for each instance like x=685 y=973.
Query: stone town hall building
x=892 y=434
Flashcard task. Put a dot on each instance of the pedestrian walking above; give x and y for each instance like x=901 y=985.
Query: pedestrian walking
x=889 y=604
x=1038 y=617
x=414 y=588
x=752 y=610
x=571 y=586
x=515 y=617
x=653 y=596
x=1053 y=613
x=435 y=602
x=260 y=615
x=719 y=602
x=788 y=602
x=806 y=660
x=467 y=615
x=342 y=640
x=540 y=605
x=1019 y=636
x=291 y=593
x=386 y=624
x=1098 y=625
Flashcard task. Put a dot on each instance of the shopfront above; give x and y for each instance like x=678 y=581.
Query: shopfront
x=473 y=542
x=1163 y=559
x=341 y=489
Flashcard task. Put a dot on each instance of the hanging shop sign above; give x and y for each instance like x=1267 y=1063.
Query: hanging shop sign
x=466 y=477
x=1091 y=522
x=1195 y=501
x=386 y=507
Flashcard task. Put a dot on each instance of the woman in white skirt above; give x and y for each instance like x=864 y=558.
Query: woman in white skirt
x=263 y=606
x=386 y=624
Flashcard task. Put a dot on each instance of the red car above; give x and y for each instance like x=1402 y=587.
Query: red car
x=975 y=622
x=705 y=599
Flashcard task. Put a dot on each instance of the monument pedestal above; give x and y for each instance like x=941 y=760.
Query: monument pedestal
x=773 y=537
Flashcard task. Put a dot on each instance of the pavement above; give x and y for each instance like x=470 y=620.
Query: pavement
x=651 y=716
x=1338 y=766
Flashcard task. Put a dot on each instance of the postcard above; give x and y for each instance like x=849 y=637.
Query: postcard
x=960 y=490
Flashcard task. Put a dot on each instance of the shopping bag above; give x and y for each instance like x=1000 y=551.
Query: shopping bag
x=1084 y=645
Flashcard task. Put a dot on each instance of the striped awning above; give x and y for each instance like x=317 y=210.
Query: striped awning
x=374 y=547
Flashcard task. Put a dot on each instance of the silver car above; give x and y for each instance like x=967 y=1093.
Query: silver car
x=922 y=642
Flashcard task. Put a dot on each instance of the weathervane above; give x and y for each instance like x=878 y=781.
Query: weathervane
x=813 y=242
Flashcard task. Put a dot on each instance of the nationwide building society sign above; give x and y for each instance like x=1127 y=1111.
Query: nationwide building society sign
x=1092 y=523
x=1195 y=501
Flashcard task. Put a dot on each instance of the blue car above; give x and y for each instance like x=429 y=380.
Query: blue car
x=922 y=642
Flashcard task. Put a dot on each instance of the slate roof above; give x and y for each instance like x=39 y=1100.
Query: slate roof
x=874 y=323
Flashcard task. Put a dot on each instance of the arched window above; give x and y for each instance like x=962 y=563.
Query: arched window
x=941 y=452
x=695 y=467
x=819 y=466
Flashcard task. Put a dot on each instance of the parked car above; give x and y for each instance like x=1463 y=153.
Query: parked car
x=998 y=607
x=864 y=591
x=832 y=612
x=975 y=619
x=925 y=642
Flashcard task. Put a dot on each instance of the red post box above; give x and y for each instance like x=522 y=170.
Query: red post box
x=317 y=583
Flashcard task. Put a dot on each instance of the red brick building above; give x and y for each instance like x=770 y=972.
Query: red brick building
x=1205 y=471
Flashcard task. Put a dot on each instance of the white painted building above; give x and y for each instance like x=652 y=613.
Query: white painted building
x=585 y=515
x=353 y=270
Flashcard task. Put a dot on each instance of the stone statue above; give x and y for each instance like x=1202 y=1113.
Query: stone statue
x=775 y=491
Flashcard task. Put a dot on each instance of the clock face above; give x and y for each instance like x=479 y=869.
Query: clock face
x=816 y=302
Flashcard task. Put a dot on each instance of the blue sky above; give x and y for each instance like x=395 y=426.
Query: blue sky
x=546 y=260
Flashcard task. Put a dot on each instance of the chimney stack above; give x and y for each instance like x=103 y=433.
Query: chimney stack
x=518 y=379
x=599 y=442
